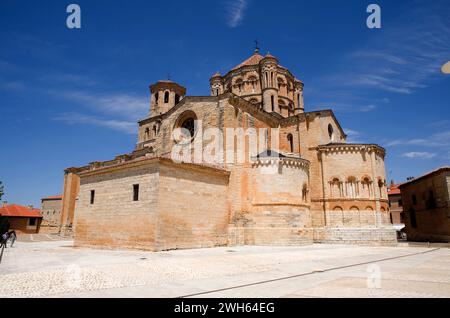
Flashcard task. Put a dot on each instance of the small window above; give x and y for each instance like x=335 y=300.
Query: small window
x=412 y=216
x=291 y=142
x=177 y=97
x=136 y=192
x=272 y=102
x=92 y=196
x=156 y=98
x=331 y=132
x=32 y=221
x=166 y=97
x=414 y=199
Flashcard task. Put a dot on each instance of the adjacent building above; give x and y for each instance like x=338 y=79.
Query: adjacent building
x=303 y=184
x=51 y=212
x=396 y=208
x=426 y=205
x=22 y=219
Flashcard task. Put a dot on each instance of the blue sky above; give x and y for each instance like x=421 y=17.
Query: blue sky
x=70 y=97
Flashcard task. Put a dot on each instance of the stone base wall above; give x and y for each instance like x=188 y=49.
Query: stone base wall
x=360 y=236
x=269 y=236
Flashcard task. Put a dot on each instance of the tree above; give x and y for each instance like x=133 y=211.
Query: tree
x=1 y=190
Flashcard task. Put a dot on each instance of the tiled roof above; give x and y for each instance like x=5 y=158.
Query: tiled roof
x=394 y=189
x=53 y=197
x=20 y=211
x=429 y=174
x=252 y=60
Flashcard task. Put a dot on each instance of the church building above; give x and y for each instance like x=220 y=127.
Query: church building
x=301 y=184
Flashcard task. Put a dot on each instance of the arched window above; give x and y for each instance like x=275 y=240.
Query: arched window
x=239 y=85
x=156 y=98
x=352 y=187
x=290 y=139
x=177 y=98
x=366 y=189
x=331 y=132
x=154 y=130
x=166 y=97
x=305 y=193
x=380 y=187
x=147 y=133
x=336 y=188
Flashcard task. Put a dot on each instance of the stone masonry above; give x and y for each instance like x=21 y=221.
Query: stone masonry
x=303 y=184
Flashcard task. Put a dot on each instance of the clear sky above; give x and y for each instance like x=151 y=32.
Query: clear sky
x=70 y=97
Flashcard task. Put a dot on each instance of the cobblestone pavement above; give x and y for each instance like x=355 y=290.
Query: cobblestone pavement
x=57 y=269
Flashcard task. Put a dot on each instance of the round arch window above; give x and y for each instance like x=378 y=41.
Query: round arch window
x=185 y=128
x=331 y=132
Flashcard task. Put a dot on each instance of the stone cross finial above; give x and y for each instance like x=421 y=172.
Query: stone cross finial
x=256 y=46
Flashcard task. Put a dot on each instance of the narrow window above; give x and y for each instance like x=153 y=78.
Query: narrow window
x=272 y=101
x=166 y=97
x=136 y=192
x=414 y=199
x=412 y=215
x=331 y=132
x=291 y=142
x=92 y=196
x=177 y=99
x=156 y=98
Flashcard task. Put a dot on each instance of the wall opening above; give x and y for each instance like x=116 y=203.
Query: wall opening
x=136 y=192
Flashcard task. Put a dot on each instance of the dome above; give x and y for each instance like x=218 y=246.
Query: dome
x=217 y=74
x=251 y=61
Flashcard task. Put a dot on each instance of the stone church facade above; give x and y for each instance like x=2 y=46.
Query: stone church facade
x=311 y=187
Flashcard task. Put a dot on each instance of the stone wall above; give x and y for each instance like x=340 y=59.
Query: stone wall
x=431 y=207
x=193 y=208
x=179 y=206
x=51 y=212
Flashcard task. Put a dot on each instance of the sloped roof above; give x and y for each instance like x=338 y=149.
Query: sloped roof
x=252 y=60
x=53 y=197
x=394 y=189
x=14 y=210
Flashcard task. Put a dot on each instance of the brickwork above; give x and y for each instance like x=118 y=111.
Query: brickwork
x=320 y=189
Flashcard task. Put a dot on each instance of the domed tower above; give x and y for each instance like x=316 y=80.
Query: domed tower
x=216 y=83
x=269 y=83
x=164 y=96
x=299 y=104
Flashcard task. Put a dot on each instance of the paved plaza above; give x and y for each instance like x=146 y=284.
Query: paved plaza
x=47 y=266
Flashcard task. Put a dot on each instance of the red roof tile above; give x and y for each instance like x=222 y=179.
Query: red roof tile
x=394 y=189
x=20 y=211
x=252 y=60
